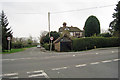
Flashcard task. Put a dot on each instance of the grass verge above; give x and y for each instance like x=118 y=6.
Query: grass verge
x=13 y=51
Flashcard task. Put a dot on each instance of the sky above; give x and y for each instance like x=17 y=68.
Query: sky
x=30 y=17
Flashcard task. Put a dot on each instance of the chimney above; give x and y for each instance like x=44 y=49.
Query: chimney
x=64 y=24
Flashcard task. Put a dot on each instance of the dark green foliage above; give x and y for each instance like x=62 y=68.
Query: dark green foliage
x=65 y=46
x=47 y=46
x=6 y=32
x=17 y=45
x=92 y=26
x=105 y=35
x=46 y=39
x=115 y=24
x=89 y=43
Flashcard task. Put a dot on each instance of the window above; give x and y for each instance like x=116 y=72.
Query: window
x=66 y=29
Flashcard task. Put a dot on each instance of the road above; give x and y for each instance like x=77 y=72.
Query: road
x=33 y=63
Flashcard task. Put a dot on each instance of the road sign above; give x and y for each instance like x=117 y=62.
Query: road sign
x=8 y=38
x=51 y=38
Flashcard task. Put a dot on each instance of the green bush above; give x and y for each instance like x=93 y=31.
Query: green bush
x=17 y=45
x=89 y=43
x=21 y=45
x=46 y=46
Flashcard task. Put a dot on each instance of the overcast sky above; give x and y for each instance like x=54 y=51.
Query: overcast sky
x=30 y=17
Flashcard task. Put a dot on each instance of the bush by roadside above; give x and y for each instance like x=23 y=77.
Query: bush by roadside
x=20 y=45
x=80 y=44
x=47 y=46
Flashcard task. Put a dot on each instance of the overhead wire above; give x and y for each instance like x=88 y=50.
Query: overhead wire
x=83 y=9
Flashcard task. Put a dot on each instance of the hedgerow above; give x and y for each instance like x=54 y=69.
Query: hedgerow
x=90 y=42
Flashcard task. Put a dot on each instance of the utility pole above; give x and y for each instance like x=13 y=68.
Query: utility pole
x=49 y=22
x=49 y=27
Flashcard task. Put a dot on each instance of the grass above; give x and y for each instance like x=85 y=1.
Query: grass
x=13 y=51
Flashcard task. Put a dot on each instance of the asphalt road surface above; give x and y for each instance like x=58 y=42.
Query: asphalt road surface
x=33 y=63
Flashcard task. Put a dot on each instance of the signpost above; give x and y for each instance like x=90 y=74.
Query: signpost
x=8 y=38
x=51 y=38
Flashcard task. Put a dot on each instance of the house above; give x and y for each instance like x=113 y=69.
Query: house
x=63 y=44
x=73 y=31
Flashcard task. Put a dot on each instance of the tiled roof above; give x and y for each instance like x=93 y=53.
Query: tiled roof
x=65 y=38
x=71 y=29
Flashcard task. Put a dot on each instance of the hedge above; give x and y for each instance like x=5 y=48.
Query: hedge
x=47 y=46
x=89 y=43
x=21 y=45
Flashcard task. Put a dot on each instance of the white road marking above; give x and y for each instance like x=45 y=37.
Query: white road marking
x=59 y=68
x=116 y=59
x=35 y=71
x=106 y=61
x=46 y=76
x=73 y=55
x=81 y=65
x=10 y=75
x=36 y=75
x=14 y=77
x=97 y=53
x=95 y=63
x=8 y=59
x=113 y=51
x=18 y=59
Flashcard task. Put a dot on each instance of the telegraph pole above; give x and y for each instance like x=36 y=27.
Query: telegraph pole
x=49 y=27
x=49 y=22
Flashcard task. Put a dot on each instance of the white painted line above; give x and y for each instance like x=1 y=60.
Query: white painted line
x=36 y=75
x=113 y=51
x=8 y=59
x=73 y=55
x=80 y=65
x=35 y=71
x=14 y=77
x=59 y=68
x=46 y=76
x=97 y=53
x=16 y=59
x=10 y=74
x=95 y=63
x=107 y=61
x=116 y=59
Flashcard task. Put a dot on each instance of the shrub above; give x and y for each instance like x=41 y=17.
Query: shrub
x=17 y=45
x=46 y=46
x=105 y=35
x=89 y=43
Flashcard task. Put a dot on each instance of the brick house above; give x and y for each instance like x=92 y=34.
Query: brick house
x=73 y=31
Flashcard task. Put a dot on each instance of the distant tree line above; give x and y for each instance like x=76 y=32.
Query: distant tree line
x=24 y=42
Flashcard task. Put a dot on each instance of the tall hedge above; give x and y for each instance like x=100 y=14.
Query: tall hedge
x=89 y=43
x=92 y=26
